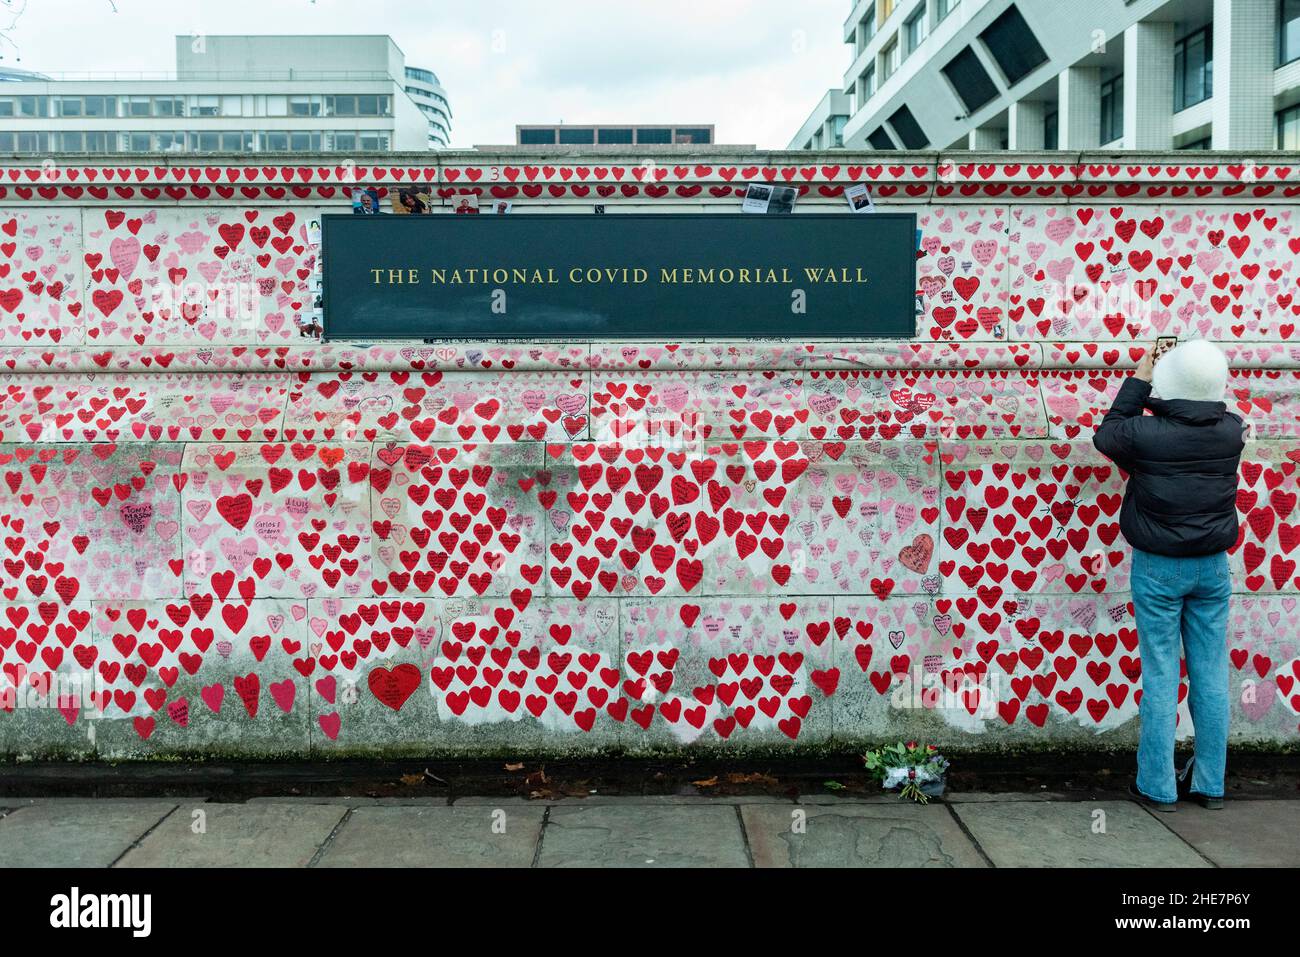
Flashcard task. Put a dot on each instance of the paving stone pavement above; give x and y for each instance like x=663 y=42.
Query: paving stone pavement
x=993 y=830
x=858 y=835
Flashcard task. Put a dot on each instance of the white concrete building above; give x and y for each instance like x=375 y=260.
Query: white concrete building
x=422 y=86
x=824 y=128
x=1066 y=74
x=235 y=94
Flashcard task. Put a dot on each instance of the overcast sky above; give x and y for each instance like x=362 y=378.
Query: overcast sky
x=754 y=68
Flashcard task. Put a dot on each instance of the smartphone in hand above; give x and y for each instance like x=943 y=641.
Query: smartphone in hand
x=1163 y=345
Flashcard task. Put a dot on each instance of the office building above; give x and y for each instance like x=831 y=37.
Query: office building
x=1062 y=74
x=239 y=94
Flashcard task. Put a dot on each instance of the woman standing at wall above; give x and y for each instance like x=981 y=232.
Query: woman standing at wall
x=1180 y=516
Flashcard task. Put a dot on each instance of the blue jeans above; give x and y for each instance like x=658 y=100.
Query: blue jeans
x=1182 y=602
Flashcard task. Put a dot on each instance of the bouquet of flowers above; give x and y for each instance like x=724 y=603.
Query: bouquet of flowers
x=916 y=770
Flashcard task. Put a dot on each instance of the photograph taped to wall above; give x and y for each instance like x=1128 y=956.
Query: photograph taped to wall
x=411 y=200
x=762 y=198
x=365 y=200
x=859 y=198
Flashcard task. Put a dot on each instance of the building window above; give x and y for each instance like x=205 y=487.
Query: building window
x=1288 y=129
x=1193 y=68
x=890 y=58
x=1013 y=45
x=914 y=29
x=908 y=130
x=837 y=130
x=866 y=28
x=879 y=139
x=69 y=106
x=1112 y=109
x=651 y=136
x=693 y=135
x=1202 y=144
x=306 y=105
x=614 y=135
x=970 y=81
x=1051 y=130
x=238 y=142
x=1288 y=31
x=867 y=85
x=99 y=106
x=136 y=106
x=944 y=7
x=537 y=137
x=168 y=106
x=341 y=106
x=169 y=142
x=577 y=136
x=24 y=106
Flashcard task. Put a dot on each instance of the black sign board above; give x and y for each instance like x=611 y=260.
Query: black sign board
x=575 y=275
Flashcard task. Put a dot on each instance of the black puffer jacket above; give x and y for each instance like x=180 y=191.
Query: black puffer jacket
x=1182 y=462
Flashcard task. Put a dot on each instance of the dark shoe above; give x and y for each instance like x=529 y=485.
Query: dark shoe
x=1185 y=792
x=1150 y=802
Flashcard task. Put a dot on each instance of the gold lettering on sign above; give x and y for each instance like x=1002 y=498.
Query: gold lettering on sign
x=618 y=275
x=612 y=275
x=834 y=274
x=725 y=275
x=395 y=277
x=500 y=276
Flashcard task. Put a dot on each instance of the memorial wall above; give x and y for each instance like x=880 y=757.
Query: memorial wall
x=224 y=536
